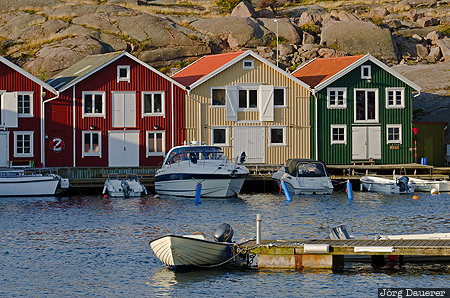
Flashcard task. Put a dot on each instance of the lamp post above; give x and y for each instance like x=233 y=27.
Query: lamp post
x=276 y=21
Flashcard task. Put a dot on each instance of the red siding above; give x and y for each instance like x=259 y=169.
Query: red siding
x=13 y=81
x=141 y=79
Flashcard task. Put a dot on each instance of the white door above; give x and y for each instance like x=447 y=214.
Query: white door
x=123 y=149
x=4 y=149
x=124 y=109
x=366 y=142
x=252 y=140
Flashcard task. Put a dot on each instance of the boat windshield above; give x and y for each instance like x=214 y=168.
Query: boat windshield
x=195 y=153
x=311 y=170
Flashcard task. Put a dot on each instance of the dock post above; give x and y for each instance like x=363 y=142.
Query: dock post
x=258 y=228
x=349 y=190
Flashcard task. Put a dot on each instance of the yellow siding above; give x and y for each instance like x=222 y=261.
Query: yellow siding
x=295 y=117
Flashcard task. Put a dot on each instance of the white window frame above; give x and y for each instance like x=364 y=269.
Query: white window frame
x=25 y=115
x=270 y=136
x=83 y=136
x=252 y=62
x=395 y=90
x=369 y=68
x=258 y=99
x=93 y=93
x=227 y=136
x=333 y=142
x=147 y=152
x=377 y=110
x=399 y=126
x=163 y=100
x=125 y=79
x=218 y=106
x=336 y=105
x=23 y=133
x=284 y=105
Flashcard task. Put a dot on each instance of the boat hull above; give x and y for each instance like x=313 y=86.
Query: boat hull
x=219 y=186
x=182 y=251
x=384 y=186
x=29 y=186
x=305 y=185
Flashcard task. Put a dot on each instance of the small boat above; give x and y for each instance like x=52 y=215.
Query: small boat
x=22 y=183
x=387 y=186
x=304 y=176
x=129 y=187
x=429 y=185
x=186 y=251
x=189 y=165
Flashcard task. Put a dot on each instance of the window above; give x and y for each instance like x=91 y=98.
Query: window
x=366 y=105
x=277 y=136
x=338 y=134
x=248 y=99
x=93 y=104
x=279 y=97
x=395 y=98
x=336 y=98
x=92 y=141
x=248 y=64
x=219 y=136
x=153 y=103
x=123 y=73
x=218 y=97
x=155 y=143
x=25 y=104
x=23 y=144
x=366 y=72
x=394 y=133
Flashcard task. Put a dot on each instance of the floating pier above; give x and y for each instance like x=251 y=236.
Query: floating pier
x=329 y=254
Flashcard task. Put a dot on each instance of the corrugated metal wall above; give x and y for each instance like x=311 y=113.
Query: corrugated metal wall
x=342 y=154
x=141 y=79
x=295 y=116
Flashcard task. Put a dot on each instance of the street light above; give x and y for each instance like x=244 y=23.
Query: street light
x=276 y=21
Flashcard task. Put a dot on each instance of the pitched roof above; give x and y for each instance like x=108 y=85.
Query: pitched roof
x=27 y=74
x=91 y=64
x=321 y=69
x=320 y=72
x=208 y=66
x=202 y=67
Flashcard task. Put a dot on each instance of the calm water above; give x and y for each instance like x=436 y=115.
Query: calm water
x=84 y=245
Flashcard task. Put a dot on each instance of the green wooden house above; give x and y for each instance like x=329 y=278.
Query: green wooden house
x=361 y=110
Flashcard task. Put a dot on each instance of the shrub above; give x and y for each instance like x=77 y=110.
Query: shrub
x=311 y=28
x=444 y=29
x=227 y=5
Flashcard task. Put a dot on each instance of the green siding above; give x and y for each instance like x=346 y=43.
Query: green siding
x=342 y=154
x=430 y=142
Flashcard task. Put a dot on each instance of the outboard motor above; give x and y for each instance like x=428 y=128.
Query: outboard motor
x=224 y=233
x=403 y=183
x=243 y=157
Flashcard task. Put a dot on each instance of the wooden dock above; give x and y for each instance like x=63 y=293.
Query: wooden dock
x=328 y=253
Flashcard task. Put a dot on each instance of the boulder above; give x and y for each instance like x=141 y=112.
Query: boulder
x=285 y=49
x=244 y=10
x=297 y=11
x=265 y=13
x=444 y=45
x=308 y=38
x=413 y=15
x=17 y=20
x=427 y=21
x=393 y=23
x=378 y=12
x=421 y=51
x=357 y=37
x=307 y=18
x=165 y=54
x=44 y=31
x=435 y=54
x=347 y=16
x=402 y=6
x=330 y=53
x=433 y=37
x=286 y=29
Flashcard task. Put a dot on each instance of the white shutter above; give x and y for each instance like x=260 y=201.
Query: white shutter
x=374 y=142
x=359 y=147
x=9 y=113
x=231 y=95
x=118 y=114
x=116 y=155
x=130 y=110
x=266 y=107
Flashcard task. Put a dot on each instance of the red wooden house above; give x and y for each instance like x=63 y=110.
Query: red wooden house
x=22 y=130
x=113 y=110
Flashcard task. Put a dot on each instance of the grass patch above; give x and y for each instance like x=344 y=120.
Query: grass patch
x=180 y=65
x=377 y=21
x=30 y=11
x=444 y=29
x=311 y=28
x=273 y=41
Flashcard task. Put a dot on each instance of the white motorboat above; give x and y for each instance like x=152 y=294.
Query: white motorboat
x=304 y=176
x=129 y=187
x=187 y=166
x=387 y=186
x=179 y=252
x=21 y=183
x=428 y=185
